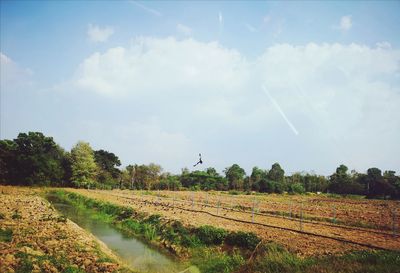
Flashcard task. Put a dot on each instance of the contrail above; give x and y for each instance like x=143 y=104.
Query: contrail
x=145 y=8
x=281 y=111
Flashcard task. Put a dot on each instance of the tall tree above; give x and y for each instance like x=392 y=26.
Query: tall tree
x=235 y=176
x=32 y=159
x=276 y=173
x=378 y=186
x=83 y=165
x=256 y=176
x=108 y=162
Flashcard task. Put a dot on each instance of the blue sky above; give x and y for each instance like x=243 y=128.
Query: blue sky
x=308 y=84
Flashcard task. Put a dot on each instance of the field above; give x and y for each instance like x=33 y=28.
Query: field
x=34 y=238
x=299 y=233
x=306 y=225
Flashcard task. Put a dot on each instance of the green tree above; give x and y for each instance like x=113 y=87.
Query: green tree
x=235 y=176
x=256 y=176
x=32 y=159
x=341 y=182
x=8 y=164
x=377 y=185
x=392 y=179
x=83 y=165
x=108 y=162
x=276 y=173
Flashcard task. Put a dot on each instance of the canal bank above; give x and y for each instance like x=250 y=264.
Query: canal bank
x=218 y=250
x=134 y=252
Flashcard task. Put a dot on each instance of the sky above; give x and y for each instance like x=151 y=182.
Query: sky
x=310 y=85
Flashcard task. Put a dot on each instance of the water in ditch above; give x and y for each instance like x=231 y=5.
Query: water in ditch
x=132 y=251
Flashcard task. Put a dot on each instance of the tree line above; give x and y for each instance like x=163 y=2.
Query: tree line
x=35 y=159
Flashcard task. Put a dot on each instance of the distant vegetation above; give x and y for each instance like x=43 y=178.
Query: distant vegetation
x=35 y=159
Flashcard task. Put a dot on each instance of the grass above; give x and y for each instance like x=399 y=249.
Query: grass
x=26 y=263
x=6 y=235
x=273 y=258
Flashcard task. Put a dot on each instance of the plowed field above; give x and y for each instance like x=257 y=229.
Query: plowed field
x=308 y=235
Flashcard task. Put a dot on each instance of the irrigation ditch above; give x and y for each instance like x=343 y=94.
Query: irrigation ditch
x=226 y=251
x=300 y=219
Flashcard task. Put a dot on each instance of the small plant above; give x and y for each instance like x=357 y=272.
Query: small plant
x=247 y=240
x=212 y=261
x=149 y=232
x=2 y=216
x=132 y=225
x=61 y=219
x=210 y=235
x=6 y=235
x=16 y=215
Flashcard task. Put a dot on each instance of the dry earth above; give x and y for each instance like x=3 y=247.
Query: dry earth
x=302 y=244
x=46 y=240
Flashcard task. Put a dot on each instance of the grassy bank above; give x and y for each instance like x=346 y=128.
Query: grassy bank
x=217 y=250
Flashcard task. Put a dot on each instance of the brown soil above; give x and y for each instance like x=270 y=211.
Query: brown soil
x=326 y=238
x=45 y=239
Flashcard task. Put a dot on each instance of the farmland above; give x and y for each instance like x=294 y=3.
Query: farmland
x=35 y=238
x=212 y=231
x=314 y=233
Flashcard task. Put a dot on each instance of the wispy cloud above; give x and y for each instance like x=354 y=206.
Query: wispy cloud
x=98 y=34
x=345 y=23
x=184 y=29
x=250 y=27
x=147 y=9
x=277 y=106
x=221 y=22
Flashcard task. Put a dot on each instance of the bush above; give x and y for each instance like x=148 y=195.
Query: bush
x=149 y=232
x=132 y=225
x=212 y=261
x=297 y=188
x=242 y=239
x=6 y=235
x=209 y=235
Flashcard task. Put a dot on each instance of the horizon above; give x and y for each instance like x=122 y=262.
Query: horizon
x=310 y=85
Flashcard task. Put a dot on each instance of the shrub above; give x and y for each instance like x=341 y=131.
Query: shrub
x=6 y=235
x=212 y=261
x=297 y=188
x=242 y=239
x=16 y=215
x=209 y=235
x=149 y=232
x=132 y=225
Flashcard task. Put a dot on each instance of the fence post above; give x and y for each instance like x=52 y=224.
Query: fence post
x=252 y=212
x=290 y=210
x=218 y=204
x=334 y=215
x=301 y=217
x=394 y=222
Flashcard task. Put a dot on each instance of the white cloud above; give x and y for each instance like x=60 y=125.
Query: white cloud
x=221 y=22
x=12 y=75
x=98 y=34
x=345 y=23
x=342 y=98
x=185 y=30
x=162 y=65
